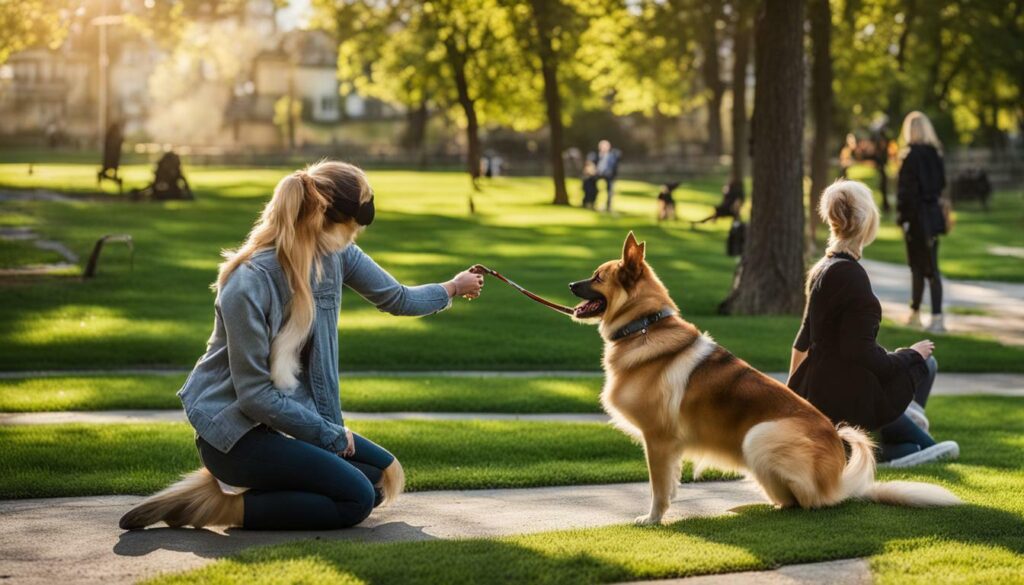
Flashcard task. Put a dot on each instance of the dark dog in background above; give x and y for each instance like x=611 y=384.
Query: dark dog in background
x=666 y=202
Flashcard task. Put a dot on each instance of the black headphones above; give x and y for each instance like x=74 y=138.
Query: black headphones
x=342 y=208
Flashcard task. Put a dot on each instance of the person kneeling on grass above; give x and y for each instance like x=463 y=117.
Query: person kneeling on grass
x=264 y=397
x=837 y=364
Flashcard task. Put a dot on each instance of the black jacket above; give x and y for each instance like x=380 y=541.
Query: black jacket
x=922 y=179
x=846 y=374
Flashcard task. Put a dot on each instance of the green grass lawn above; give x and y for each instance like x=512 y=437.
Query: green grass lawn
x=419 y=394
x=160 y=314
x=982 y=542
x=22 y=254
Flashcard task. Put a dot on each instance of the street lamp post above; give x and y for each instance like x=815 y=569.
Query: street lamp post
x=102 y=22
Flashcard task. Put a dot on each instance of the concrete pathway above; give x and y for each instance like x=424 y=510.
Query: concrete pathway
x=846 y=572
x=1000 y=305
x=25 y=234
x=76 y=540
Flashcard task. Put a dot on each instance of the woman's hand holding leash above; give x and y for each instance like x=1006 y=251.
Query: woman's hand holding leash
x=466 y=284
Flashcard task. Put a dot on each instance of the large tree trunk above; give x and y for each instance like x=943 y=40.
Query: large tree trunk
x=458 y=64
x=712 y=77
x=552 y=99
x=741 y=57
x=895 y=112
x=769 y=278
x=821 y=104
x=554 y=111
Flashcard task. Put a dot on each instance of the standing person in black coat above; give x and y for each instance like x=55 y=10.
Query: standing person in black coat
x=921 y=181
x=837 y=364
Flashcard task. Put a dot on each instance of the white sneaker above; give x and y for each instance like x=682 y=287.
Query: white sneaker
x=915 y=412
x=914 y=320
x=944 y=451
x=937 y=325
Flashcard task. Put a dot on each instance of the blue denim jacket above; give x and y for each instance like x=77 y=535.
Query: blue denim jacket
x=229 y=391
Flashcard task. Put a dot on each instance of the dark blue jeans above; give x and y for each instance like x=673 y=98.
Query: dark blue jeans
x=917 y=279
x=902 y=437
x=298 y=486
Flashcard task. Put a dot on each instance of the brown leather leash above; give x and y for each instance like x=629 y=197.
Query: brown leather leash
x=481 y=269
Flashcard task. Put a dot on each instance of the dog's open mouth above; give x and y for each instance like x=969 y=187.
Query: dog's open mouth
x=590 y=308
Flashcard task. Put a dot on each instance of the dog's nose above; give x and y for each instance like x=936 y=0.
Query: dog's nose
x=573 y=286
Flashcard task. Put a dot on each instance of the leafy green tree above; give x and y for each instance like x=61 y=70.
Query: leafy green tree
x=26 y=23
x=959 y=61
x=640 y=58
x=459 y=55
x=549 y=32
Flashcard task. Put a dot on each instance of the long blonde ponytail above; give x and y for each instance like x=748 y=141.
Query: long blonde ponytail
x=294 y=223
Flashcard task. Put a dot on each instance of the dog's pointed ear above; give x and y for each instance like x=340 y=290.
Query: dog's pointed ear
x=632 y=250
x=632 y=260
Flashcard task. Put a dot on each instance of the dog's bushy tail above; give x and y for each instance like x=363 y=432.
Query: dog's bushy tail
x=392 y=484
x=196 y=500
x=859 y=478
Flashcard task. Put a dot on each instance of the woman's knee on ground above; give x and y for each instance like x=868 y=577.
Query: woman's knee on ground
x=358 y=504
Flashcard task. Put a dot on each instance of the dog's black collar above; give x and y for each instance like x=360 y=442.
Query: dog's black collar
x=640 y=325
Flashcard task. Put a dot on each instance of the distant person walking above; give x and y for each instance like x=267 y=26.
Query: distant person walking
x=589 y=180
x=607 y=161
x=837 y=364
x=921 y=181
x=847 y=155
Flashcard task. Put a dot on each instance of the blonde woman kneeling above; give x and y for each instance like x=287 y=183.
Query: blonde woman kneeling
x=264 y=397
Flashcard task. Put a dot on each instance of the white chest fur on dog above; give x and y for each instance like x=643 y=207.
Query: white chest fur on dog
x=674 y=381
x=677 y=376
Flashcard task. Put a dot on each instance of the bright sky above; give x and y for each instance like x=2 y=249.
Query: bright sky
x=294 y=15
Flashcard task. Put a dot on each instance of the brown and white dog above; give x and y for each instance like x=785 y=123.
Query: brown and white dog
x=683 y=396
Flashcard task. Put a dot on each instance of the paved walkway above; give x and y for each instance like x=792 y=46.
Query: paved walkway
x=1000 y=304
x=846 y=572
x=77 y=539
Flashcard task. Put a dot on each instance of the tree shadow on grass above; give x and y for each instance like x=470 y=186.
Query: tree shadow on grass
x=855 y=529
x=213 y=544
x=755 y=538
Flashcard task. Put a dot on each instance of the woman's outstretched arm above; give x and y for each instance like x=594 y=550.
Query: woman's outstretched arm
x=376 y=285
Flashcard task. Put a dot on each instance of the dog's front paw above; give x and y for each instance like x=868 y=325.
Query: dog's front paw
x=647 y=520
